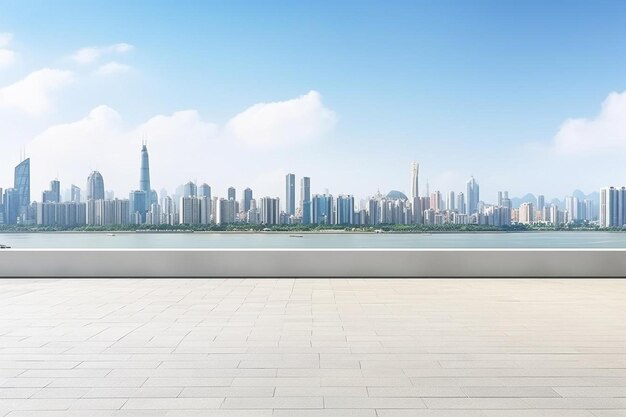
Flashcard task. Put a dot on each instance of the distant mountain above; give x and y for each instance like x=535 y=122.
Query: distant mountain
x=528 y=198
x=531 y=198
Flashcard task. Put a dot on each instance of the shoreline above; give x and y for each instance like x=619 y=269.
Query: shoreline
x=301 y=232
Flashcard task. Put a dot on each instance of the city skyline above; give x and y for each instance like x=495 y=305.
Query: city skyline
x=485 y=89
x=469 y=188
x=191 y=204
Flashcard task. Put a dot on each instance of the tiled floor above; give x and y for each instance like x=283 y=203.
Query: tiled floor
x=313 y=347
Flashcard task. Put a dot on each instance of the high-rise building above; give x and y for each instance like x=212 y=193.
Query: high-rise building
x=232 y=193
x=436 y=201
x=415 y=181
x=589 y=210
x=144 y=179
x=270 y=210
x=138 y=207
x=526 y=213
x=22 y=185
x=95 y=186
x=225 y=211
x=373 y=211
x=612 y=207
x=247 y=200
x=344 y=210
x=460 y=203
x=473 y=196
x=190 y=189
x=190 y=208
x=305 y=199
x=290 y=194
x=571 y=207
x=450 y=201
x=322 y=209
x=11 y=205
x=541 y=202
x=74 y=194
x=204 y=191
x=53 y=195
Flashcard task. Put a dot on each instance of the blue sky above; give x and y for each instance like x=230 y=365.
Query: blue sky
x=464 y=88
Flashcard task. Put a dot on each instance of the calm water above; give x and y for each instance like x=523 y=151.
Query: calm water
x=316 y=240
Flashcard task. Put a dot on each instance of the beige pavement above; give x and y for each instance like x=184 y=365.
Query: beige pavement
x=313 y=347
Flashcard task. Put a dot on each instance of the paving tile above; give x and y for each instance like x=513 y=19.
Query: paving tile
x=313 y=348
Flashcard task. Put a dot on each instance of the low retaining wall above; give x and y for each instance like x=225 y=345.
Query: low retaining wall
x=313 y=263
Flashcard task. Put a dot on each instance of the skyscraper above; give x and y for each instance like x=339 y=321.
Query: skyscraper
x=526 y=213
x=53 y=195
x=270 y=210
x=344 y=209
x=473 y=196
x=322 y=209
x=232 y=193
x=612 y=207
x=290 y=194
x=190 y=189
x=414 y=180
x=305 y=199
x=204 y=191
x=137 y=201
x=11 y=205
x=74 y=194
x=541 y=202
x=95 y=186
x=450 y=202
x=460 y=203
x=22 y=185
x=247 y=199
x=144 y=178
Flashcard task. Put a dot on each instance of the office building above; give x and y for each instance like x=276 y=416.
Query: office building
x=269 y=210
x=415 y=181
x=204 y=191
x=74 y=194
x=322 y=209
x=190 y=189
x=247 y=199
x=344 y=210
x=526 y=213
x=144 y=180
x=473 y=196
x=53 y=195
x=95 y=186
x=305 y=200
x=290 y=194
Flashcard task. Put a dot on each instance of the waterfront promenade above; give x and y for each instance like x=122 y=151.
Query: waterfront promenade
x=313 y=347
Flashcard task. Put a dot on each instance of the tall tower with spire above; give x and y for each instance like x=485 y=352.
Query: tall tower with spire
x=415 y=168
x=144 y=174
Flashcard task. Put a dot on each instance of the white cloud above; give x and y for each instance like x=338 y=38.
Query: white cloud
x=183 y=146
x=7 y=56
x=112 y=68
x=31 y=95
x=605 y=132
x=179 y=145
x=282 y=123
x=91 y=54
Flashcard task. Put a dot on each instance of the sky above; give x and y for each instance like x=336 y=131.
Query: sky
x=525 y=96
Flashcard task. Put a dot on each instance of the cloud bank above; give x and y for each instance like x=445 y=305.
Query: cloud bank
x=282 y=123
x=32 y=94
x=605 y=132
x=182 y=145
